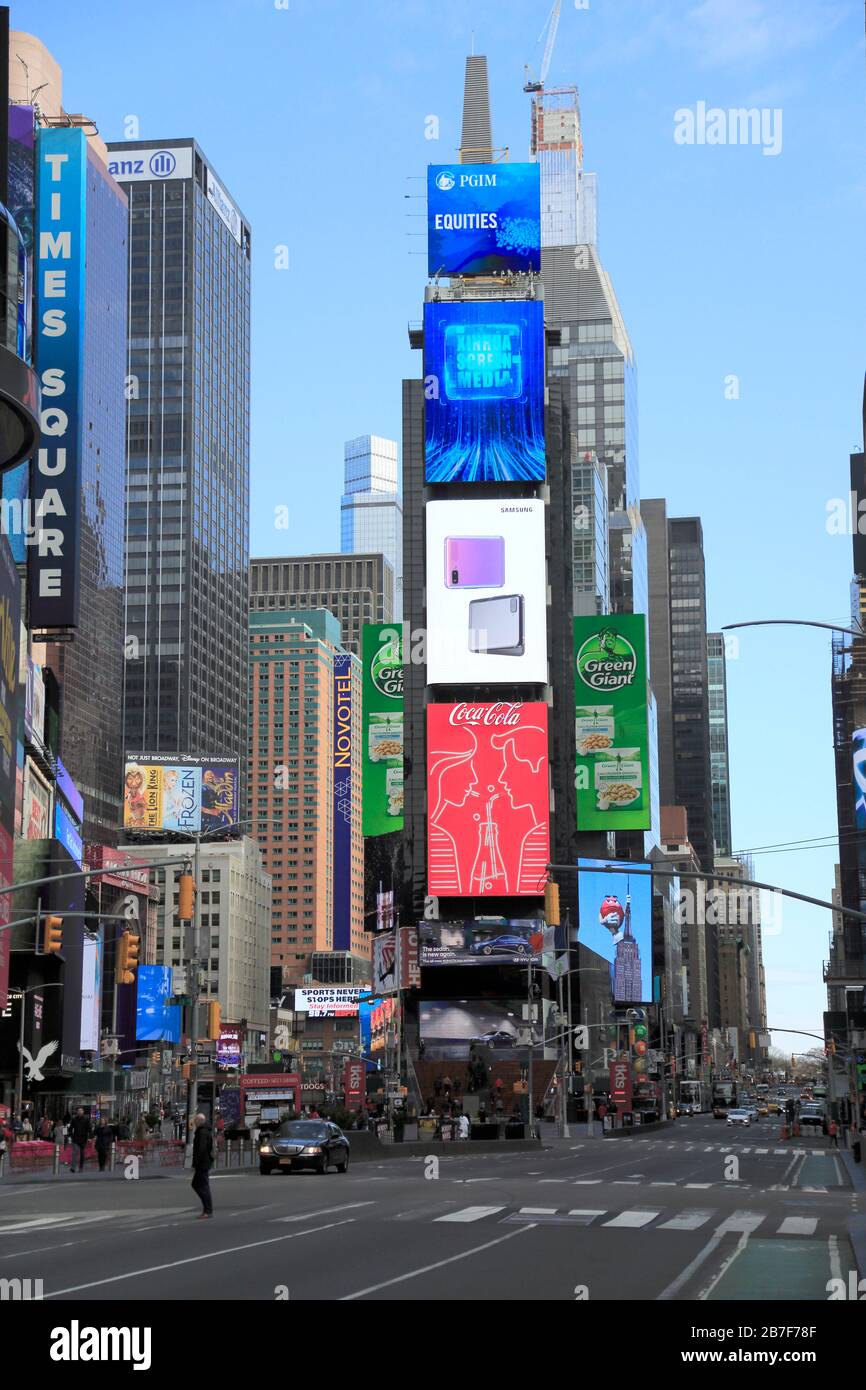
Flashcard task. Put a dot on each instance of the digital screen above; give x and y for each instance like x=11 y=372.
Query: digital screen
x=451 y=1029
x=611 y=722
x=615 y=921
x=66 y=831
x=498 y=941
x=156 y=1020
x=859 y=773
x=382 y=706
x=486 y=592
x=488 y=799
x=328 y=1003
x=483 y=218
x=484 y=391
x=175 y=792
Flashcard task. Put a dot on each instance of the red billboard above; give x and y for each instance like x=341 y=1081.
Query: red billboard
x=488 y=827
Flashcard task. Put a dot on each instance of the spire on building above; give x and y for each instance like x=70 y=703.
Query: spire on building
x=476 y=140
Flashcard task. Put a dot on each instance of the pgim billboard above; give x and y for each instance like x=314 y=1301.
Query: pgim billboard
x=486 y=592
x=484 y=379
x=488 y=799
x=483 y=218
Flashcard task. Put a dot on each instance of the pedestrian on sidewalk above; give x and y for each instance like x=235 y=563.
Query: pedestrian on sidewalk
x=202 y=1162
x=833 y=1131
x=79 y=1133
x=102 y=1138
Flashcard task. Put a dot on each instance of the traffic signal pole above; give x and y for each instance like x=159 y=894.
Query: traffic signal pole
x=192 y=1094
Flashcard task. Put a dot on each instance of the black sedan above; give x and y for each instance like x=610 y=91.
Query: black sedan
x=304 y=1144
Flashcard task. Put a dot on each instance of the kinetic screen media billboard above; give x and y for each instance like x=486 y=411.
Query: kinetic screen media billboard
x=167 y=791
x=482 y=218
x=486 y=592
x=478 y=941
x=451 y=1029
x=610 y=694
x=859 y=774
x=615 y=921
x=382 y=706
x=488 y=802
x=484 y=391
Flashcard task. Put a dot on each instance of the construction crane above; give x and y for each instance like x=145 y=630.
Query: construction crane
x=551 y=24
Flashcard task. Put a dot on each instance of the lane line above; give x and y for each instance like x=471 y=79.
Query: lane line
x=324 y=1211
x=194 y=1259
x=685 y=1275
x=835 y=1262
x=726 y=1264
x=440 y=1264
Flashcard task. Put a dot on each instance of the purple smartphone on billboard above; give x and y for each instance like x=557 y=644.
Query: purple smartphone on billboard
x=474 y=562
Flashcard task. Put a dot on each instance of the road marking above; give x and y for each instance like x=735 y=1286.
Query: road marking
x=469 y=1180
x=685 y=1275
x=780 y=1151
x=553 y=1180
x=687 y=1220
x=587 y=1182
x=67 y=1220
x=835 y=1262
x=813 y=1189
x=194 y=1259
x=798 y=1226
x=741 y=1221
x=711 y=1148
x=625 y=1182
x=762 y=1151
x=584 y=1216
x=17 y=1191
x=40 y=1249
x=662 y=1184
x=634 y=1219
x=535 y=1211
x=427 y=1269
x=470 y=1214
x=323 y=1211
x=702 y=1185
x=726 y=1264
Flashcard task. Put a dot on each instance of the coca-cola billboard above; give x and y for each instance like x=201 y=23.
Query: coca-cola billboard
x=488 y=799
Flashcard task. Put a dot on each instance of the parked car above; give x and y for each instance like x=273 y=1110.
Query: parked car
x=305 y=1144
x=498 y=945
x=739 y=1117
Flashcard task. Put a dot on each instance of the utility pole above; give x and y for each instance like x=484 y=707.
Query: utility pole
x=530 y=1011
x=195 y=921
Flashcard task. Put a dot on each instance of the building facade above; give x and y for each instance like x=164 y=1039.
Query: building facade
x=357 y=589
x=371 y=511
x=294 y=656
x=188 y=441
x=720 y=771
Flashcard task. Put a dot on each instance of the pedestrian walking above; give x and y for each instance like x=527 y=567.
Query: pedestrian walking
x=463 y=1126
x=45 y=1128
x=79 y=1133
x=202 y=1162
x=833 y=1131
x=102 y=1138
x=57 y=1133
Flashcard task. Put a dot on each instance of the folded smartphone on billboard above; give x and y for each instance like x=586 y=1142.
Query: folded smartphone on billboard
x=496 y=625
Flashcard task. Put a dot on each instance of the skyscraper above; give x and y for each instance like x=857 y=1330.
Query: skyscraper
x=720 y=772
x=357 y=589
x=689 y=682
x=188 y=441
x=371 y=511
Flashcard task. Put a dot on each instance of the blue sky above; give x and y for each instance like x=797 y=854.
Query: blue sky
x=725 y=261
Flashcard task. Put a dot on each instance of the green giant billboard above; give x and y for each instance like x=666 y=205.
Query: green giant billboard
x=610 y=696
x=382 y=654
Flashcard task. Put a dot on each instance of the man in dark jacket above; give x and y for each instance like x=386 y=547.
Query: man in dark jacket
x=102 y=1138
x=79 y=1133
x=202 y=1162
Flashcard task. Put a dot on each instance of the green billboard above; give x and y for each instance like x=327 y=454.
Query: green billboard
x=610 y=696
x=382 y=785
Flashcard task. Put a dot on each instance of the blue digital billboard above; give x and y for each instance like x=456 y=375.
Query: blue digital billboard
x=483 y=218
x=615 y=921
x=156 y=1020
x=484 y=391
x=66 y=831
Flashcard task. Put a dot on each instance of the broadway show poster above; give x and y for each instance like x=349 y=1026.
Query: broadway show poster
x=611 y=728
x=488 y=799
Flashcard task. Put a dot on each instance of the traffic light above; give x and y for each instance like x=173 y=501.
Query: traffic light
x=52 y=935
x=551 y=904
x=185 y=897
x=127 y=958
x=214 y=1020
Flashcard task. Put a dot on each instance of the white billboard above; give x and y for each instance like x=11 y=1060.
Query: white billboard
x=338 y=1002
x=486 y=592
x=163 y=162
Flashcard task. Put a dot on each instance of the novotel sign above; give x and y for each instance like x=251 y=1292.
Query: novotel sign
x=55 y=486
x=342 y=801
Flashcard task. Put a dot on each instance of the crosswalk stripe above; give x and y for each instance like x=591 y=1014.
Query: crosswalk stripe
x=634 y=1219
x=470 y=1214
x=762 y=1151
x=586 y=1182
x=537 y=1211
x=543 y=1180
x=784 y=1152
x=702 y=1185
x=584 y=1216
x=741 y=1221
x=798 y=1226
x=687 y=1220
x=812 y=1189
x=662 y=1184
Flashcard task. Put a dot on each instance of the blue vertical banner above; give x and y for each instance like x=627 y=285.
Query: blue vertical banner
x=342 y=767
x=55 y=482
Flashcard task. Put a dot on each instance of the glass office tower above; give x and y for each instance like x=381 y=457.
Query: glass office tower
x=371 y=511
x=719 y=761
x=188 y=442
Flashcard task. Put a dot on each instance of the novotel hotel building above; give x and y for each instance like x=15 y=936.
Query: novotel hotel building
x=188 y=442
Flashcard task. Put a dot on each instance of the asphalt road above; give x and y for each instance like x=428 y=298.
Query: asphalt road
x=700 y=1211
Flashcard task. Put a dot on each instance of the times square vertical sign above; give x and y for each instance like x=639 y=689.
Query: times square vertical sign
x=55 y=483
x=342 y=793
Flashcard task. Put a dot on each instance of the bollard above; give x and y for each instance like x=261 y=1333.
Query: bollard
x=112 y=1157
x=228 y=1153
x=56 y=1162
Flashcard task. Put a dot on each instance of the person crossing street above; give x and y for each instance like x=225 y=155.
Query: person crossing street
x=202 y=1162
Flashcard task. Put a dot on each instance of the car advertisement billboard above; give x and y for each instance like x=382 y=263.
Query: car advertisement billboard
x=483 y=218
x=451 y=1029
x=484 y=391
x=488 y=801
x=382 y=714
x=478 y=941
x=171 y=791
x=486 y=592
x=156 y=1020
x=611 y=727
x=615 y=921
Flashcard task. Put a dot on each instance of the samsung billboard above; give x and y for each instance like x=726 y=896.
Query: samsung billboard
x=484 y=391
x=483 y=218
